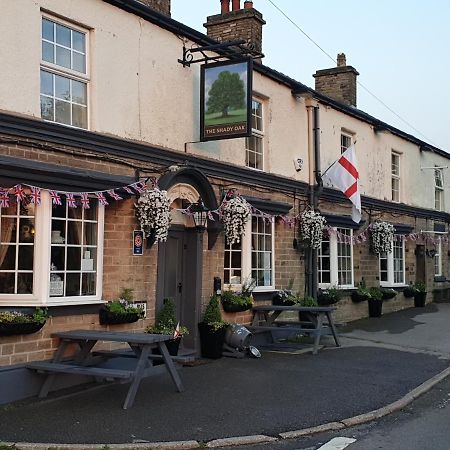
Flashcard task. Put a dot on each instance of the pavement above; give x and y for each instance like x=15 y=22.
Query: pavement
x=383 y=365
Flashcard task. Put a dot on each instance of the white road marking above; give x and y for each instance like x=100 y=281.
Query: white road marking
x=338 y=443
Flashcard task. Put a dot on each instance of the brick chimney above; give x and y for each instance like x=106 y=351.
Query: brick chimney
x=339 y=82
x=239 y=23
x=162 y=6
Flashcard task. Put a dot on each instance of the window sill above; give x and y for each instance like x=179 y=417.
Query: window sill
x=6 y=303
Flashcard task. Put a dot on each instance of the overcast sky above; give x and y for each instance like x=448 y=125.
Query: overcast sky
x=400 y=48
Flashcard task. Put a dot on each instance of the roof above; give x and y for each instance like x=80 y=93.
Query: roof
x=147 y=13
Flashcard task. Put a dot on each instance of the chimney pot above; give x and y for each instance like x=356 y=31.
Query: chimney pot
x=225 y=6
x=236 y=5
x=341 y=60
x=248 y=4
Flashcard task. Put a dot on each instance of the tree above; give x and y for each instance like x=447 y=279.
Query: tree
x=226 y=92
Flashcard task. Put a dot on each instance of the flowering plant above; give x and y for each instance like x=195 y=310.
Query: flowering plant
x=382 y=237
x=235 y=214
x=153 y=213
x=311 y=227
x=39 y=316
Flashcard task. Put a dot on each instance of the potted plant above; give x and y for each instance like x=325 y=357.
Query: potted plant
x=212 y=330
x=388 y=293
x=361 y=294
x=375 y=302
x=240 y=300
x=14 y=322
x=328 y=296
x=120 y=311
x=409 y=291
x=166 y=323
x=420 y=295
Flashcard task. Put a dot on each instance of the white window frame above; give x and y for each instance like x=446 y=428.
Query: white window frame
x=334 y=266
x=345 y=135
x=42 y=261
x=258 y=134
x=55 y=69
x=438 y=189
x=390 y=267
x=438 y=260
x=396 y=176
x=246 y=258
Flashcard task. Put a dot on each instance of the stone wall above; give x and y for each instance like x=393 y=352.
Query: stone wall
x=162 y=6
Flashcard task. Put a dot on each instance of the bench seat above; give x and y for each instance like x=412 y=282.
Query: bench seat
x=131 y=354
x=261 y=328
x=100 y=372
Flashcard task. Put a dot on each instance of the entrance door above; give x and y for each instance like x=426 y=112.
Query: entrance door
x=420 y=263
x=179 y=278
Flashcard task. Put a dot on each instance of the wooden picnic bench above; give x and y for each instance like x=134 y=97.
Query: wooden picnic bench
x=312 y=321
x=85 y=361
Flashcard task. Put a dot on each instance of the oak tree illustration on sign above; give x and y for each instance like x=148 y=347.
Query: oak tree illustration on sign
x=226 y=93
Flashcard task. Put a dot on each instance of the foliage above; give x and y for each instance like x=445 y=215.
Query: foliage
x=236 y=298
x=153 y=213
x=311 y=228
x=329 y=295
x=409 y=291
x=166 y=321
x=226 y=92
x=388 y=293
x=420 y=286
x=308 y=301
x=40 y=315
x=375 y=294
x=212 y=315
x=124 y=305
x=382 y=237
x=235 y=214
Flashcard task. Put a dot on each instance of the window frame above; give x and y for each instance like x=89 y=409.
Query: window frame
x=391 y=267
x=346 y=135
x=438 y=190
x=55 y=69
x=438 y=259
x=246 y=258
x=42 y=261
x=396 y=176
x=258 y=135
x=334 y=260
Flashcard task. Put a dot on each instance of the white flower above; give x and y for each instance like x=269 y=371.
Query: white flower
x=235 y=214
x=153 y=213
x=382 y=237
x=311 y=227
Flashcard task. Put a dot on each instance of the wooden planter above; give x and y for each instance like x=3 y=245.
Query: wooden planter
x=11 y=328
x=108 y=318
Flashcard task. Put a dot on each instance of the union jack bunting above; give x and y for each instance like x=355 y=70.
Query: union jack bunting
x=139 y=186
x=35 y=196
x=85 y=200
x=114 y=195
x=4 y=199
x=56 y=198
x=101 y=198
x=71 y=200
x=128 y=189
x=19 y=193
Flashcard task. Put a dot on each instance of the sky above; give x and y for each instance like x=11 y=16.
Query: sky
x=399 y=47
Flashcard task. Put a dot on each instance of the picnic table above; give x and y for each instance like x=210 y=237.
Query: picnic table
x=86 y=361
x=312 y=321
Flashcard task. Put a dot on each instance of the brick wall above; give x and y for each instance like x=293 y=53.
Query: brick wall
x=162 y=6
x=338 y=83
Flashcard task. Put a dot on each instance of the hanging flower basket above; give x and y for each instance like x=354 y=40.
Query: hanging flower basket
x=110 y=318
x=11 y=328
x=153 y=213
x=382 y=237
x=14 y=322
x=235 y=214
x=311 y=228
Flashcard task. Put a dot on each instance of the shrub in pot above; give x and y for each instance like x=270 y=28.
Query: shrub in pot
x=375 y=302
x=212 y=330
x=420 y=295
x=166 y=323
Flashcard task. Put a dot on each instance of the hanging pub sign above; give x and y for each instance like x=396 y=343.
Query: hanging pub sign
x=138 y=243
x=226 y=100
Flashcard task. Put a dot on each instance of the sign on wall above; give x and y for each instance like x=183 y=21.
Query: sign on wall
x=226 y=100
x=138 y=243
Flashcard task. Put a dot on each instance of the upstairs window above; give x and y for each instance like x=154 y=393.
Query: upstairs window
x=438 y=190
x=64 y=81
x=254 y=153
x=346 y=141
x=395 y=177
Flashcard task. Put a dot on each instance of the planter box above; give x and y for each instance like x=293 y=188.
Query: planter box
x=358 y=298
x=232 y=308
x=419 y=299
x=211 y=341
x=388 y=294
x=325 y=300
x=108 y=318
x=375 y=307
x=10 y=329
